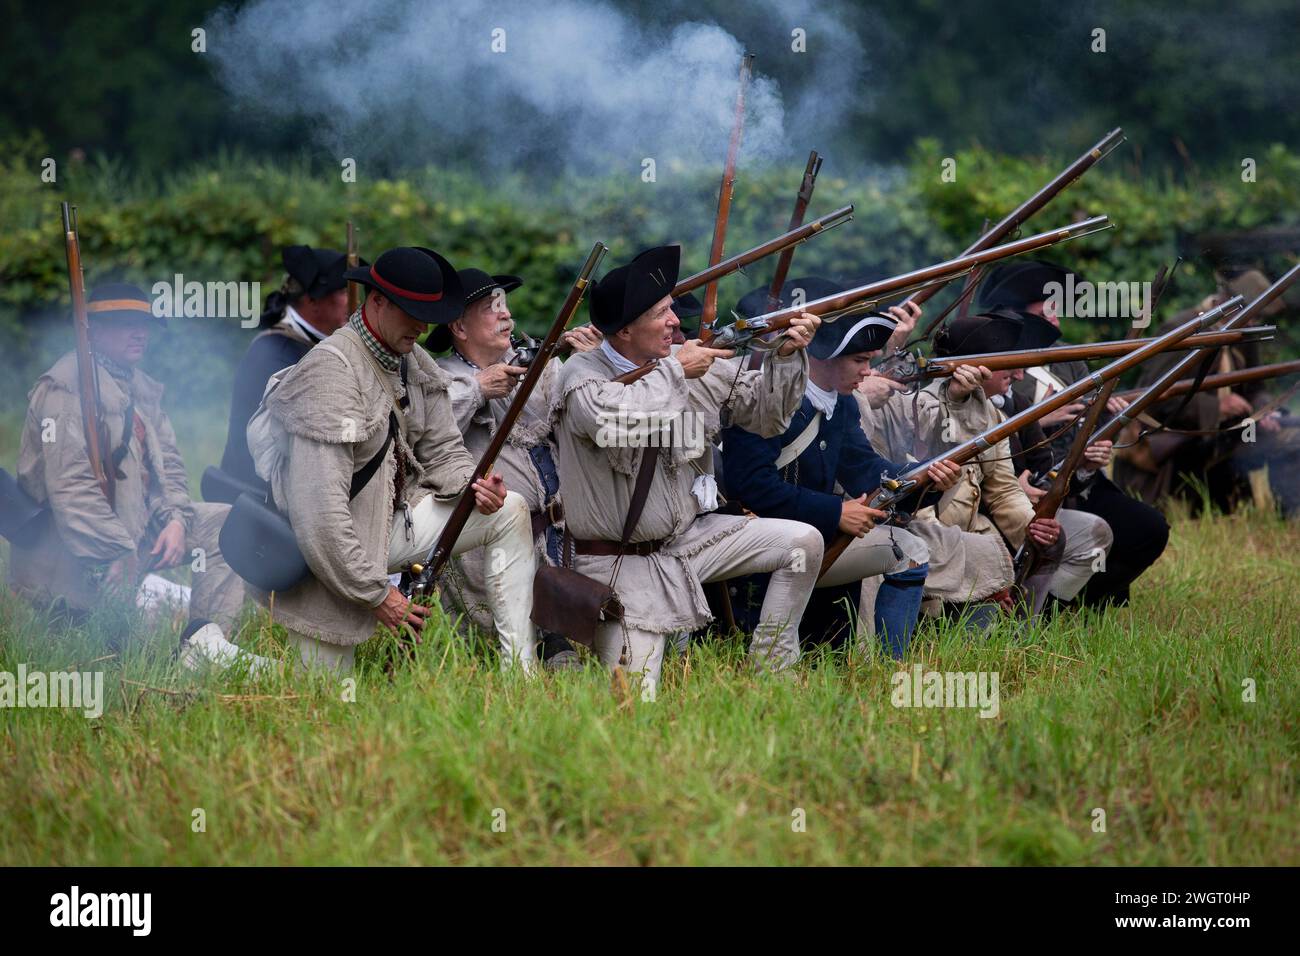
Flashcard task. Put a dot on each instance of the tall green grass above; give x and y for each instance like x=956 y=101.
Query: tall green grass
x=1138 y=713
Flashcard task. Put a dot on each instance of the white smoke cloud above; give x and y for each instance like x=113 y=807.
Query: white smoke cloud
x=580 y=83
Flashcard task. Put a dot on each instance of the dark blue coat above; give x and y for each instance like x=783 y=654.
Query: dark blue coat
x=266 y=356
x=804 y=489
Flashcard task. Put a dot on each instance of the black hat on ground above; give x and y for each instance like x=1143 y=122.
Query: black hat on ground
x=476 y=284
x=1018 y=284
x=317 y=271
x=120 y=300
x=617 y=300
x=999 y=330
x=422 y=283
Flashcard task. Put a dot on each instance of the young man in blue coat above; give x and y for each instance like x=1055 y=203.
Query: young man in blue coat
x=800 y=475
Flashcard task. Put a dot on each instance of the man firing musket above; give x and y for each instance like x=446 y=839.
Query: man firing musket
x=640 y=497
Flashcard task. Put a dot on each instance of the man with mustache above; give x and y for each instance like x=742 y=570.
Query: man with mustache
x=479 y=363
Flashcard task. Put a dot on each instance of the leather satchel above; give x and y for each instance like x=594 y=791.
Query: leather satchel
x=572 y=604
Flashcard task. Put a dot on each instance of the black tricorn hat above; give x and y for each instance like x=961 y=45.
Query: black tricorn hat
x=422 y=283
x=318 y=271
x=852 y=335
x=617 y=300
x=1018 y=284
x=477 y=284
x=120 y=300
x=998 y=330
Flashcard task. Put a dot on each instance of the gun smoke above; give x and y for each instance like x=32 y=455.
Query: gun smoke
x=576 y=85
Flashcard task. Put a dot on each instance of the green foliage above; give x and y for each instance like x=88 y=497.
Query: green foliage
x=227 y=219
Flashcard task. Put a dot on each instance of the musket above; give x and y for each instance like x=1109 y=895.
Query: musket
x=424 y=575
x=909 y=367
x=864 y=297
x=724 y=201
x=1257 y=373
x=1029 y=557
x=787 y=240
x=92 y=418
x=914 y=479
x=801 y=202
x=1013 y=220
x=1158 y=389
x=352 y=264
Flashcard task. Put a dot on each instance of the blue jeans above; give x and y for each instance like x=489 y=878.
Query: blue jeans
x=897 y=605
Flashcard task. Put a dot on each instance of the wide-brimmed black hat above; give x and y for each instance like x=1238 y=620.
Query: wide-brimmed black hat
x=318 y=271
x=1019 y=284
x=617 y=300
x=476 y=284
x=120 y=300
x=998 y=330
x=422 y=283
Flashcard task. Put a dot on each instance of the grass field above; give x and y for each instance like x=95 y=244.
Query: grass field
x=1139 y=714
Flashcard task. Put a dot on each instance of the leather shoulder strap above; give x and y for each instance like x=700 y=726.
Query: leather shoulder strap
x=644 y=477
x=362 y=478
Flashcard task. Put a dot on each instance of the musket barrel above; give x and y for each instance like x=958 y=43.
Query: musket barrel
x=782 y=242
x=1001 y=361
x=864 y=296
x=441 y=551
x=915 y=477
x=1154 y=392
x=1257 y=373
x=1034 y=203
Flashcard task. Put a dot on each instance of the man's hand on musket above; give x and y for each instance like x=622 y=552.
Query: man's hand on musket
x=170 y=546
x=489 y=494
x=1232 y=405
x=1097 y=455
x=856 y=518
x=906 y=315
x=966 y=379
x=943 y=474
x=1115 y=404
x=800 y=333
x=697 y=358
x=1271 y=423
x=1067 y=413
x=399 y=613
x=498 y=381
x=585 y=338
x=1045 y=531
x=879 y=389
